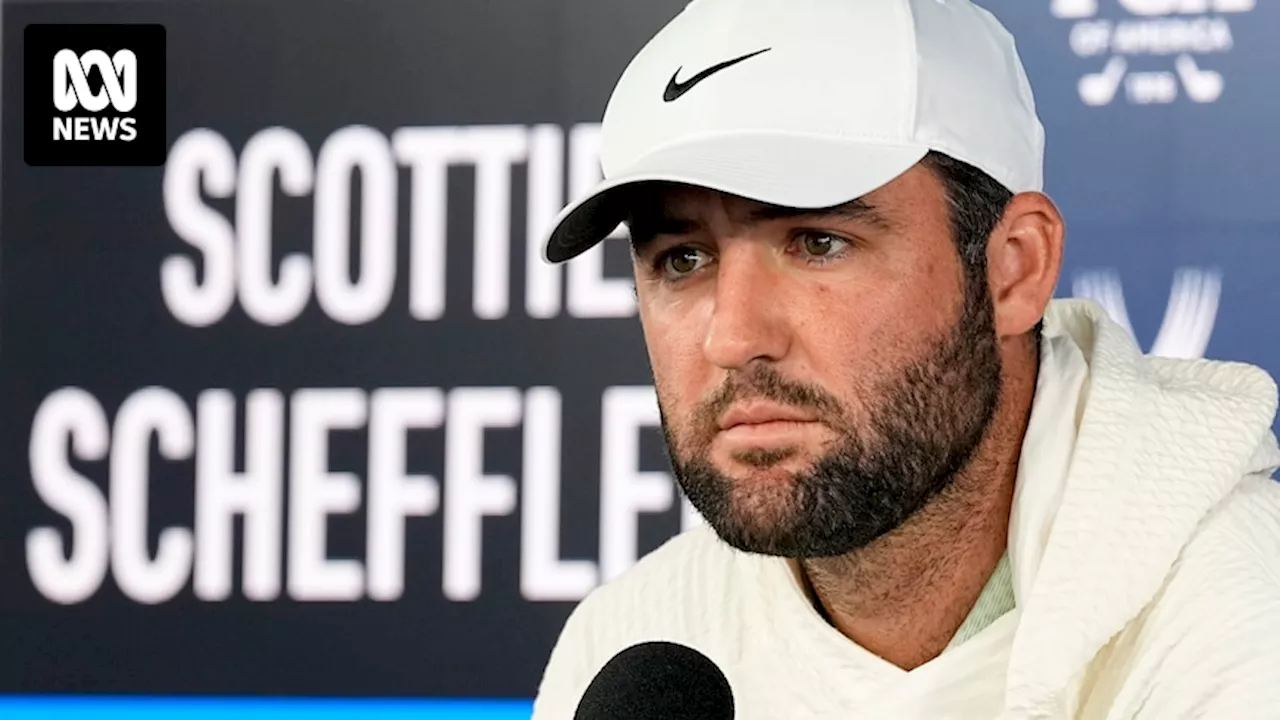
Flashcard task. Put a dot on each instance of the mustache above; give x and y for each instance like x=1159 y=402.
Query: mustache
x=764 y=382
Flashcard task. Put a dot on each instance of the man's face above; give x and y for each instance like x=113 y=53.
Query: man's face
x=821 y=376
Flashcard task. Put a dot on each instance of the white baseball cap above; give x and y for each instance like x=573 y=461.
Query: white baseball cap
x=809 y=104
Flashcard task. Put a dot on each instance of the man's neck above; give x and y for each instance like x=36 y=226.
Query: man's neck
x=904 y=596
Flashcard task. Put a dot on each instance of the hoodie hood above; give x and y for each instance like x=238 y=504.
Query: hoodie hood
x=1159 y=444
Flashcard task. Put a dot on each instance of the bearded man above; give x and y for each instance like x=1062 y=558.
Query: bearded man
x=930 y=489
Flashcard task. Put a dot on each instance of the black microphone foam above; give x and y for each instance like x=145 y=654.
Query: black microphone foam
x=655 y=680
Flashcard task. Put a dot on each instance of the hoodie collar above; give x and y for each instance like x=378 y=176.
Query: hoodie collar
x=1160 y=443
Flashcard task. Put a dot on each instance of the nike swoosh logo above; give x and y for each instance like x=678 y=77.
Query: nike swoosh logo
x=675 y=89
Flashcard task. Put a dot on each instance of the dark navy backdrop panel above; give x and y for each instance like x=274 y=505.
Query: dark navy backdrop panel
x=300 y=413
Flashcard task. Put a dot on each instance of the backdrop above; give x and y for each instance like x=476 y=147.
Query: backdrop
x=301 y=412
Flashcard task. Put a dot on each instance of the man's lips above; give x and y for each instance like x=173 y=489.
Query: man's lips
x=762 y=413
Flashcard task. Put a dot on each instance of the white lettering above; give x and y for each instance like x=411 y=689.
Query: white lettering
x=364 y=149
x=315 y=493
x=238 y=261
x=1091 y=37
x=470 y=494
x=73 y=415
x=1074 y=8
x=625 y=492
x=495 y=149
x=545 y=200
x=199 y=155
x=393 y=493
x=256 y=494
x=158 y=412
x=543 y=575
x=271 y=302
x=1152 y=7
x=109 y=532
x=428 y=151
x=105 y=128
x=1173 y=35
x=1151 y=87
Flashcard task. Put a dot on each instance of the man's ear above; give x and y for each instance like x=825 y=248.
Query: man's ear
x=1024 y=259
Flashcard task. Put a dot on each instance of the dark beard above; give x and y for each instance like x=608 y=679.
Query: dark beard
x=924 y=430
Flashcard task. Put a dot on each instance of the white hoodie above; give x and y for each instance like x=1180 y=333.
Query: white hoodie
x=1145 y=552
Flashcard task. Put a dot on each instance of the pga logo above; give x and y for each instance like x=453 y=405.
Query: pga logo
x=1075 y=9
x=1184 y=29
x=71 y=90
x=1100 y=88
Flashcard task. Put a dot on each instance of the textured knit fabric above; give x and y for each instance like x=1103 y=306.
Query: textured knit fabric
x=1144 y=554
x=996 y=600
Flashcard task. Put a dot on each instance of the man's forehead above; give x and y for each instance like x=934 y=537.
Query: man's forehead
x=668 y=198
x=657 y=201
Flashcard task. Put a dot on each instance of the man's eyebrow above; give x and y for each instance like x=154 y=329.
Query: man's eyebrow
x=667 y=225
x=858 y=210
x=646 y=226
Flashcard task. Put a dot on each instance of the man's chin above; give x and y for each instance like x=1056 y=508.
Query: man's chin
x=751 y=462
x=774 y=529
x=764 y=511
x=759 y=505
x=764 y=458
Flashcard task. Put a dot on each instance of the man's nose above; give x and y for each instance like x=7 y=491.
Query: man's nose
x=748 y=321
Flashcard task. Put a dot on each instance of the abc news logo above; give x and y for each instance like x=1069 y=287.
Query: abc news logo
x=107 y=105
x=71 y=90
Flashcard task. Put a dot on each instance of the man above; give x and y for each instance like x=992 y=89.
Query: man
x=930 y=490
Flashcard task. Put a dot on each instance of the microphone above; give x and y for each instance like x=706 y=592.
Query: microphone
x=655 y=680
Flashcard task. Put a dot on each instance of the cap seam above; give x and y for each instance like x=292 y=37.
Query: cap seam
x=999 y=171
x=913 y=59
x=693 y=139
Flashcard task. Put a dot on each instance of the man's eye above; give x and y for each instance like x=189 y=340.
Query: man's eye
x=680 y=261
x=820 y=244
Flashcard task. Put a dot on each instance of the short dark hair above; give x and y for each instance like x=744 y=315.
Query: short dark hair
x=977 y=203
